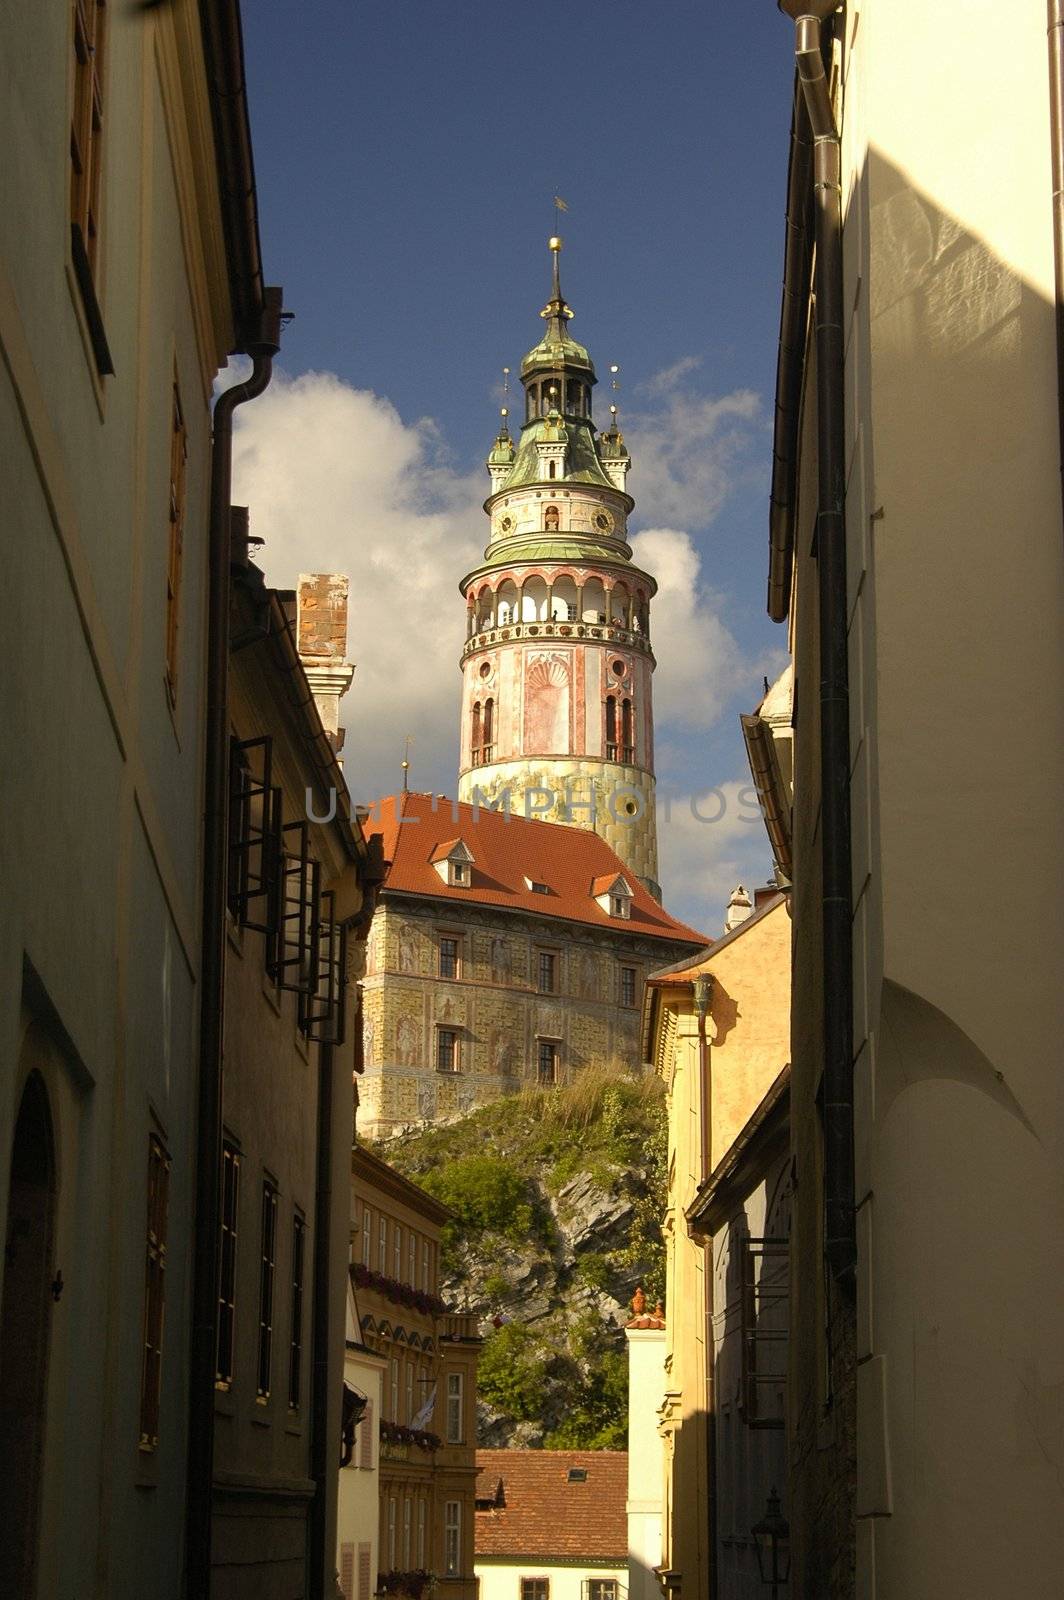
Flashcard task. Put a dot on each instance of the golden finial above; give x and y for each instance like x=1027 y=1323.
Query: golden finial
x=554 y=243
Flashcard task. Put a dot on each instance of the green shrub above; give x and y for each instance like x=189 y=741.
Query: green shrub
x=487 y=1195
x=512 y=1372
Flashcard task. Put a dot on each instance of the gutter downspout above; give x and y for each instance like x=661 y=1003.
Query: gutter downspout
x=702 y=987
x=262 y=348
x=840 y=1234
x=1055 y=22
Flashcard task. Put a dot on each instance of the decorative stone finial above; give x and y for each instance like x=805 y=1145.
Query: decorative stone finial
x=639 y=1301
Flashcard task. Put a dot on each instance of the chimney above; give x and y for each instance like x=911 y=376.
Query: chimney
x=321 y=637
x=739 y=909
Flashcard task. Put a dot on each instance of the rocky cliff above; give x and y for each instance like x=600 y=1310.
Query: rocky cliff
x=557 y=1196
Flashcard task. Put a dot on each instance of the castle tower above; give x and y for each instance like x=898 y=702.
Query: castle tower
x=557 y=664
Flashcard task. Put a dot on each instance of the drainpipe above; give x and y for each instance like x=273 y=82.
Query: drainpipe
x=1055 y=13
x=840 y=1242
x=320 y=1397
x=262 y=347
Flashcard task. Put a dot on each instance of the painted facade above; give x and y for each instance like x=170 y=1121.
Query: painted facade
x=463 y=965
x=942 y=1349
x=645 y=1337
x=424 y=1433
x=556 y=671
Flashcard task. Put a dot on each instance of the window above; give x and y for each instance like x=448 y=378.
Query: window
x=452 y=1538
x=382 y=1245
x=397 y=1252
x=459 y=873
x=620 y=905
x=448 y=957
x=627 y=738
x=425 y=1266
x=535 y=1589
x=477 y=738
x=627 y=986
x=411 y=1274
x=446 y=1050
x=391 y=1532
x=546 y=971
x=600 y=1589
x=764 y=1319
x=367 y=1235
x=408 y=1516
x=295 y=1353
x=154 y=1292
x=488 y=747
x=611 y=727
x=421 y=1534
x=455 y=1433
x=223 y=1373
x=393 y=1386
x=538 y=888
x=178 y=458
x=86 y=152
x=267 y=1267
x=411 y=1412
x=547 y=1062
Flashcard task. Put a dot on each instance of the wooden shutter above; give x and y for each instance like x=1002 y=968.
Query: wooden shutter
x=363 y=1572
x=347 y=1571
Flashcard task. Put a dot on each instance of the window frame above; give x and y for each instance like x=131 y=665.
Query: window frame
x=553 y=1047
x=533 y=1588
x=453 y=1050
x=452 y=1538
x=267 y=1283
x=158 y=1200
x=228 y=1244
x=544 y=954
x=453 y=957
x=624 y=974
x=454 y=1424
x=295 y=1332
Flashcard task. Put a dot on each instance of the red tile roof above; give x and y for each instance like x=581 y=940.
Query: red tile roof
x=507 y=850
x=546 y=1517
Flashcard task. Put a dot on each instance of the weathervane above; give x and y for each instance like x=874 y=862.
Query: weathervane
x=406 y=761
x=504 y=409
x=615 y=385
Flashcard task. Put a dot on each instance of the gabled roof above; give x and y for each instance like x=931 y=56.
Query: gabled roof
x=506 y=851
x=607 y=883
x=544 y=1516
x=452 y=850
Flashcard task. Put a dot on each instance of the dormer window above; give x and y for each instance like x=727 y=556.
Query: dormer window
x=535 y=886
x=614 y=894
x=454 y=863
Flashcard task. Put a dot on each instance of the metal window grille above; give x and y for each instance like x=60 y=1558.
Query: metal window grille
x=223 y=1374
x=322 y=1011
x=254 y=834
x=627 y=986
x=765 y=1286
x=154 y=1292
x=295 y=1353
x=293 y=962
x=448 y=958
x=267 y=1269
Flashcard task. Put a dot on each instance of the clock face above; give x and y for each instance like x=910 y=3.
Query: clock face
x=603 y=520
x=506 y=524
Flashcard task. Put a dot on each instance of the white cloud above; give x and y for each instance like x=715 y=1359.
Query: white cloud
x=706 y=845
x=691 y=452
x=337 y=482
x=668 y=378
x=700 y=665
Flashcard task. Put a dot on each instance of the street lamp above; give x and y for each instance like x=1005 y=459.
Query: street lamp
x=772 y=1541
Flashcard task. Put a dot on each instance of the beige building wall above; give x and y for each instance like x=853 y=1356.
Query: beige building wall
x=493 y=1004
x=712 y=1093
x=101 y=785
x=358 y=1505
x=954 y=553
x=501 y=1580
x=646 y=1467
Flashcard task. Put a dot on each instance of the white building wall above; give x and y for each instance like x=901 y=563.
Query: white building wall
x=646 y=1461
x=501 y=1580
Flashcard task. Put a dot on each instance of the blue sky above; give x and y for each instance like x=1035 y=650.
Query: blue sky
x=406 y=155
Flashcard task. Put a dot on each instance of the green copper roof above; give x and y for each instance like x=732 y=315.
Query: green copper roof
x=566 y=549
x=556 y=349
x=582 y=464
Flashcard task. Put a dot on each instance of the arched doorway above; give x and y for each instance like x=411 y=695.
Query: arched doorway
x=24 y=1324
